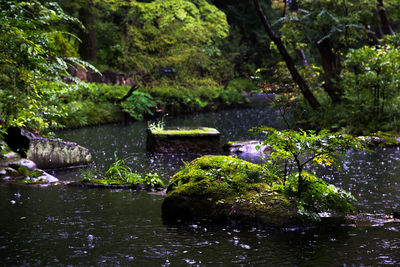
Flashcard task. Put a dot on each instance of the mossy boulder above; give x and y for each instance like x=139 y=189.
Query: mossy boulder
x=47 y=153
x=225 y=188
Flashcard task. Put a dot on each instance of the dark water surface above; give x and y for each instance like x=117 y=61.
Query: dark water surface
x=58 y=225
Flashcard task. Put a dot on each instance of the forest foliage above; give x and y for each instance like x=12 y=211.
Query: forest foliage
x=198 y=55
x=347 y=51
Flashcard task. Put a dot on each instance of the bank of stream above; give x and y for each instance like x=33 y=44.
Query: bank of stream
x=59 y=225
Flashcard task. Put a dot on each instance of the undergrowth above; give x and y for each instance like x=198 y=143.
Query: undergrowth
x=83 y=104
x=121 y=174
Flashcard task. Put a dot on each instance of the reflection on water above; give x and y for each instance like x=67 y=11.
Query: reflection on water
x=72 y=226
x=373 y=178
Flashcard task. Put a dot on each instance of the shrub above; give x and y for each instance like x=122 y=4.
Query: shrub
x=244 y=84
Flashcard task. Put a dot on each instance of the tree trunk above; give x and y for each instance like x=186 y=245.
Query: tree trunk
x=386 y=27
x=330 y=64
x=308 y=95
x=88 y=45
x=300 y=179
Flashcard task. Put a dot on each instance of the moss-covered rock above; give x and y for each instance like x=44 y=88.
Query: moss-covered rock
x=183 y=140
x=47 y=153
x=224 y=188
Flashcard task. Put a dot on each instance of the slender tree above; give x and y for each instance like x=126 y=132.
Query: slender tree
x=386 y=27
x=308 y=95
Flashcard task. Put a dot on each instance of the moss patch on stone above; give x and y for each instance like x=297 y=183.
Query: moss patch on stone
x=222 y=188
x=184 y=131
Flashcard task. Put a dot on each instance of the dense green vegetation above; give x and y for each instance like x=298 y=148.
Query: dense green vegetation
x=121 y=174
x=82 y=104
x=33 y=52
x=343 y=56
x=40 y=44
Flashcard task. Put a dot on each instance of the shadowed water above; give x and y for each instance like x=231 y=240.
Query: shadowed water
x=58 y=225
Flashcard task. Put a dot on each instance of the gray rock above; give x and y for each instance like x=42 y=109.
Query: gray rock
x=47 y=153
x=47 y=178
x=246 y=147
x=28 y=164
x=11 y=172
x=50 y=154
x=10 y=155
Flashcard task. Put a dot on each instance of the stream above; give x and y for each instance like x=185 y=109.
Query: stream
x=68 y=226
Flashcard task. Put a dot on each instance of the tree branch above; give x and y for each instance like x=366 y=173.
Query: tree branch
x=131 y=90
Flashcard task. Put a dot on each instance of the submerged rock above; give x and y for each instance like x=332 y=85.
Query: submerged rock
x=120 y=176
x=223 y=189
x=371 y=220
x=99 y=184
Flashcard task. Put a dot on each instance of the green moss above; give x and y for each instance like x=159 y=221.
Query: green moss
x=120 y=174
x=133 y=180
x=33 y=181
x=224 y=187
x=185 y=131
x=219 y=171
x=108 y=182
x=317 y=195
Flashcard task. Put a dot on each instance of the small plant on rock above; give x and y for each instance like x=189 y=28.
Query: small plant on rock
x=121 y=174
x=293 y=151
x=157 y=126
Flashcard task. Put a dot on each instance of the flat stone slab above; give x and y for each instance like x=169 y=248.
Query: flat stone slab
x=183 y=140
